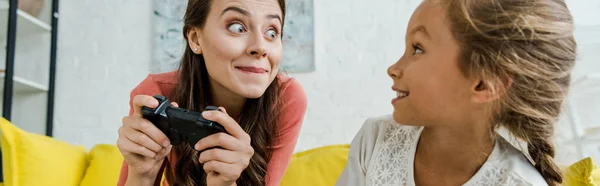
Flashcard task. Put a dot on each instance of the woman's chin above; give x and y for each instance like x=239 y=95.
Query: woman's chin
x=252 y=91
x=251 y=87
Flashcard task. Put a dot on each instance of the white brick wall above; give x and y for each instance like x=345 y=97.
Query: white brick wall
x=104 y=51
x=586 y=97
x=352 y=55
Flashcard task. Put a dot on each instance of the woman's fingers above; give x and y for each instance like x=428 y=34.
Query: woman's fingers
x=223 y=110
x=225 y=171
x=145 y=141
x=222 y=155
x=164 y=153
x=140 y=101
x=147 y=128
x=231 y=126
x=224 y=141
x=129 y=147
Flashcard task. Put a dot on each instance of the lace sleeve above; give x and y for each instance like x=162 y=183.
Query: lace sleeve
x=359 y=155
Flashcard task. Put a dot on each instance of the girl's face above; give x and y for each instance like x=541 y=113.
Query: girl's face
x=430 y=87
x=241 y=45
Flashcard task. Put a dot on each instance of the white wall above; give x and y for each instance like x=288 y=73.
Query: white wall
x=104 y=51
x=353 y=52
x=585 y=95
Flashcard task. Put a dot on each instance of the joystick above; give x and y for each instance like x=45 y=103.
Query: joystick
x=180 y=124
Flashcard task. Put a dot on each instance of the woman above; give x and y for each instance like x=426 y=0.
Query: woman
x=471 y=67
x=232 y=57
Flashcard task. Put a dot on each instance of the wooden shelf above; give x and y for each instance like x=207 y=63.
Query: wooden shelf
x=21 y=85
x=26 y=24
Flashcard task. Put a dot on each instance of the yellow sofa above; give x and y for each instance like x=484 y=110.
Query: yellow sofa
x=33 y=160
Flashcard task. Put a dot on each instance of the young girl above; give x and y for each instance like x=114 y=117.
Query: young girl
x=232 y=56
x=471 y=67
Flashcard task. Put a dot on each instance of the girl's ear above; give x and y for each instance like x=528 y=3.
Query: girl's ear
x=194 y=40
x=488 y=91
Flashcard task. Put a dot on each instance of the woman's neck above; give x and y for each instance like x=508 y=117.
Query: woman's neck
x=454 y=154
x=223 y=97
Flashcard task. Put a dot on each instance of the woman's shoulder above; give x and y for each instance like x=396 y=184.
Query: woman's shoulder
x=292 y=90
x=286 y=82
x=157 y=83
x=170 y=77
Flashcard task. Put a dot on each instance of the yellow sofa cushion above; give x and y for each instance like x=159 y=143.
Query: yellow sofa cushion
x=34 y=159
x=105 y=166
x=316 y=167
x=582 y=173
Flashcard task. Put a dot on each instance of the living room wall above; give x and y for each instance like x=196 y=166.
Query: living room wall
x=105 y=50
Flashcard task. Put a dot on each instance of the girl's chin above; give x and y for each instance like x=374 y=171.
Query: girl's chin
x=398 y=117
x=401 y=118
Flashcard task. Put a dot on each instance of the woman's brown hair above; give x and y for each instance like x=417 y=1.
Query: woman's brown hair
x=527 y=46
x=258 y=118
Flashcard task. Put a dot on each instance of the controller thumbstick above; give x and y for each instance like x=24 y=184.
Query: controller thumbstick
x=212 y=108
x=160 y=98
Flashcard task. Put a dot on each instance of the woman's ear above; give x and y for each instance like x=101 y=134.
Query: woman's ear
x=488 y=91
x=194 y=40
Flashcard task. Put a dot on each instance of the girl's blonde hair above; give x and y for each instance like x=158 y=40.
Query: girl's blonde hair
x=527 y=46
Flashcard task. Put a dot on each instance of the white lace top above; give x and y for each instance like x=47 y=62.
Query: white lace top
x=382 y=154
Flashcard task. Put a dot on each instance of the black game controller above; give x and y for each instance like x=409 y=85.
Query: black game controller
x=181 y=124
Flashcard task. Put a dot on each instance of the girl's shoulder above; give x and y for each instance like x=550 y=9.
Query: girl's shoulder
x=508 y=165
x=384 y=132
x=379 y=143
x=516 y=161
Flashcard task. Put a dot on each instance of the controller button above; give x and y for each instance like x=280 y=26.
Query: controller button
x=210 y=124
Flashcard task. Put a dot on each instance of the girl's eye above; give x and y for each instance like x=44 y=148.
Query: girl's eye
x=237 y=28
x=417 y=49
x=272 y=33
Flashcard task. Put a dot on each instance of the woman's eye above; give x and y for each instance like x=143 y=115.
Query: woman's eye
x=237 y=28
x=272 y=34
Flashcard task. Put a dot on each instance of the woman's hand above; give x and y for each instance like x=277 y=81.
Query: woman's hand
x=224 y=165
x=142 y=144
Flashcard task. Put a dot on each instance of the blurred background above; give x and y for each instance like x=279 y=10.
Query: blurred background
x=104 y=48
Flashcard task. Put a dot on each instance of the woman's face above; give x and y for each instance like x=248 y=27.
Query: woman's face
x=241 y=45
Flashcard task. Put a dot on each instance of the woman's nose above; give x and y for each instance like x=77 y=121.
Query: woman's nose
x=257 y=48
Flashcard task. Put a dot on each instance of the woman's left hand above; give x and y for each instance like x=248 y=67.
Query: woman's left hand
x=224 y=165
